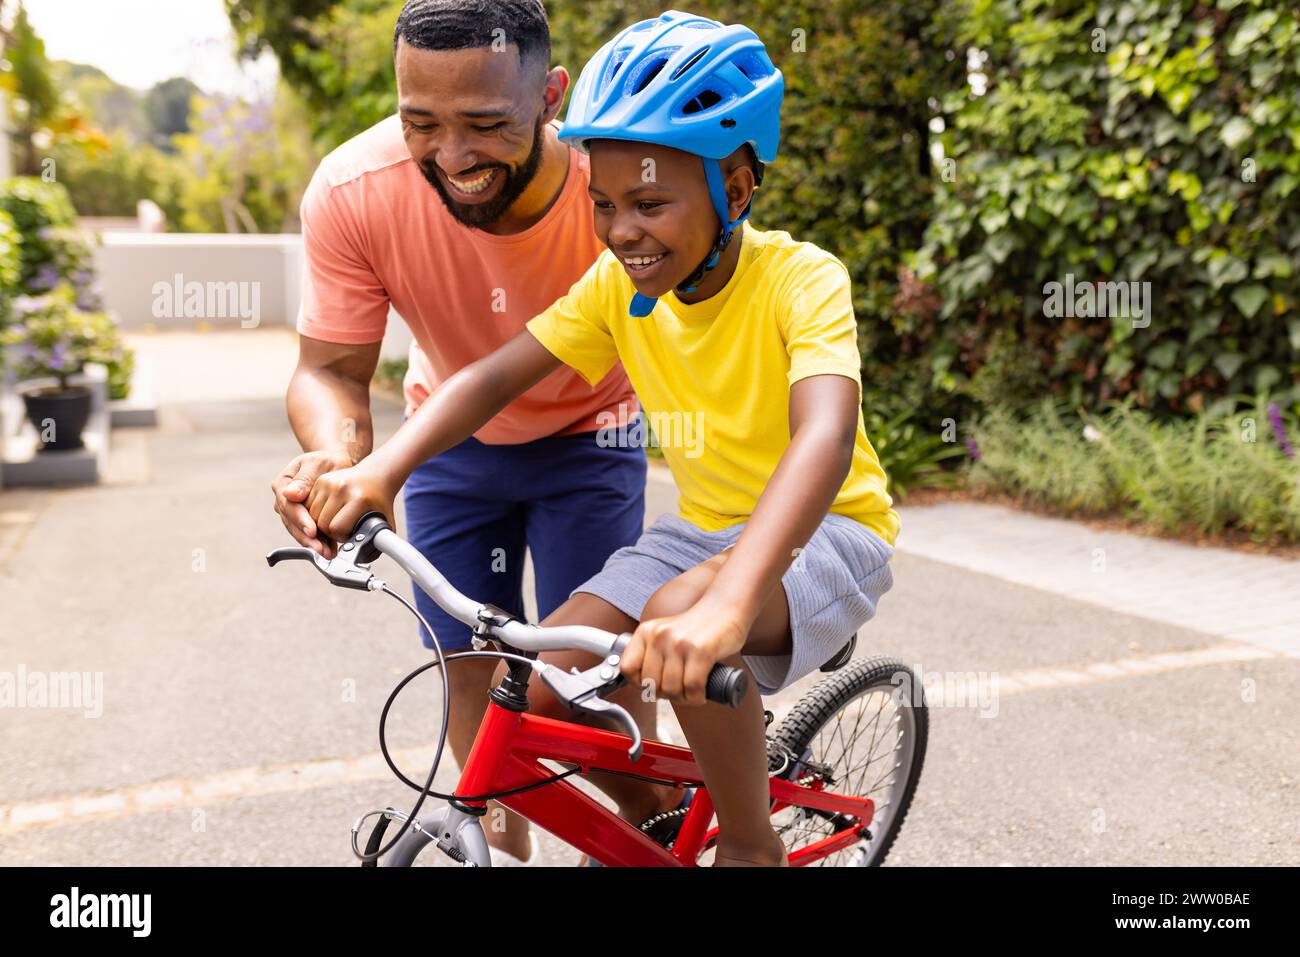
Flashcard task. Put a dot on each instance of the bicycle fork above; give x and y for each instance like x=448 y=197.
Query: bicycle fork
x=456 y=833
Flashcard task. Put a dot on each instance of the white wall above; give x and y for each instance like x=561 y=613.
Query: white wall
x=131 y=265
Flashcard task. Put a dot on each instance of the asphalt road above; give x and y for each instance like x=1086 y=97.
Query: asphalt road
x=217 y=669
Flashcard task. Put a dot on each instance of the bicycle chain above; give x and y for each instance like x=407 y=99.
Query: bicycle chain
x=666 y=835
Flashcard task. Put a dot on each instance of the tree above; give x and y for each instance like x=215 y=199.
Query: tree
x=167 y=110
x=40 y=115
x=247 y=165
x=335 y=54
x=116 y=108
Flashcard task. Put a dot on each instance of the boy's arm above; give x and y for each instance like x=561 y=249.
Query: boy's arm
x=823 y=427
x=453 y=412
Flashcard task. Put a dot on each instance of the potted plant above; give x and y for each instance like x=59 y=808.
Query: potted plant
x=51 y=339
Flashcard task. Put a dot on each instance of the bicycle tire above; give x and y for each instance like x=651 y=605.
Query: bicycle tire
x=799 y=729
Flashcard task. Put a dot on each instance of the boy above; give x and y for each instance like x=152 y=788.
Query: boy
x=781 y=548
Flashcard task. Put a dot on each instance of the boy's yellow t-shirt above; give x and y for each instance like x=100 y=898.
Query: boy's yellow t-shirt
x=714 y=377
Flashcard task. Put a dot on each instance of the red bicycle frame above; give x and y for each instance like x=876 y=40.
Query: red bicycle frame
x=511 y=744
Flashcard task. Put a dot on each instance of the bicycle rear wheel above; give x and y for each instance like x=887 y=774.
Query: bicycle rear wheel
x=862 y=732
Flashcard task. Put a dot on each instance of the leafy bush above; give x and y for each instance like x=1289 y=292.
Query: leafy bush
x=51 y=337
x=1044 y=460
x=112 y=184
x=1213 y=472
x=911 y=453
x=1130 y=141
x=10 y=265
x=39 y=210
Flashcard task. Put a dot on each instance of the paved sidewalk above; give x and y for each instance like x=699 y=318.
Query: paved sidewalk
x=1242 y=597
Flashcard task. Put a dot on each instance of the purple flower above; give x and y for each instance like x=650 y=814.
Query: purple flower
x=45 y=277
x=26 y=305
x=257 y=121
x=1279 y=431
x=973 y=449
x=213 y=138
x=58 y=357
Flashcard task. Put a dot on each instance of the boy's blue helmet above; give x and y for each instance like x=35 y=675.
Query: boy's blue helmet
x=690 y=83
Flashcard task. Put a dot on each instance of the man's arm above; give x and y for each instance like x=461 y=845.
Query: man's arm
x=329 y=397
x=328 y=402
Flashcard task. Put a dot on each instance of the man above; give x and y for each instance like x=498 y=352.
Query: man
x=468 y=215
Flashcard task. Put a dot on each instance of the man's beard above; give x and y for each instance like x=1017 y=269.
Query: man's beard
x=478 y=215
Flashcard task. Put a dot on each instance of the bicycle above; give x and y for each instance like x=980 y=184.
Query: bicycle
x=819 y=822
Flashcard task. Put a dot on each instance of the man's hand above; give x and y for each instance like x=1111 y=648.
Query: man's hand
x=291 y=488
x=338 y=500
x=677 y=653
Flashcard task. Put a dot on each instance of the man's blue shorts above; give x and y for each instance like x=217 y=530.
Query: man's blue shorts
x=473 y=509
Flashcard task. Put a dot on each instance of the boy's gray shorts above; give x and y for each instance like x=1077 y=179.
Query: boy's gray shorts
x=832 y=586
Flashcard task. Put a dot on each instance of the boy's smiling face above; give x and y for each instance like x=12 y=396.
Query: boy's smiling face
x=652 y=209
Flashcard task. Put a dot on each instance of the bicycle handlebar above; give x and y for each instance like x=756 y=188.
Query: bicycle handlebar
x=372 y=536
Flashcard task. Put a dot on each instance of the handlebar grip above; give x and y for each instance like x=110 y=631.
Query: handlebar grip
x=726 y=685
x=368 y=525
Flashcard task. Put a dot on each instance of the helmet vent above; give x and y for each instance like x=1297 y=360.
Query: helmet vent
x=688 y=64
x=646 y=73
x=702 y=101
x=752 y=65
x=616 y=64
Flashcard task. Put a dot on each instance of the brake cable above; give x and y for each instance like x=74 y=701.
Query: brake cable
x=383 y=715
x=426 y=790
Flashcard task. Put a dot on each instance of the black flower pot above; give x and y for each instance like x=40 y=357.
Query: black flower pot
x=67 y=409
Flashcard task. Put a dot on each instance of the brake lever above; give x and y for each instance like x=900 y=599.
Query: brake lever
x=343 y=570
x=581 y=691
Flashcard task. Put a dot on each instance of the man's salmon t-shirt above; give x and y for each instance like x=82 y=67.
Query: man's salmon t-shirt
x=375 y=232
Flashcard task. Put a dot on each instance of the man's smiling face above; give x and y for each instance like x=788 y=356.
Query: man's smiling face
x=653 y=211
x=473 y=121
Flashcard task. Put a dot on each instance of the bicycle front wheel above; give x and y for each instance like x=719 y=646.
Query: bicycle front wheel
x=862 y=732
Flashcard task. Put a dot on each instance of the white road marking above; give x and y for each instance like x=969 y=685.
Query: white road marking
x=966 y=688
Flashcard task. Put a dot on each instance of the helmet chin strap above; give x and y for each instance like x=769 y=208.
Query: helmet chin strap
x=641 y=305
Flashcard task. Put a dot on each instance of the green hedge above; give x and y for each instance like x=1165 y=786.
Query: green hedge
x=1119 y=140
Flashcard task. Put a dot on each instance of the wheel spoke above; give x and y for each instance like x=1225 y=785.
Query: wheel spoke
x=834 y=754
